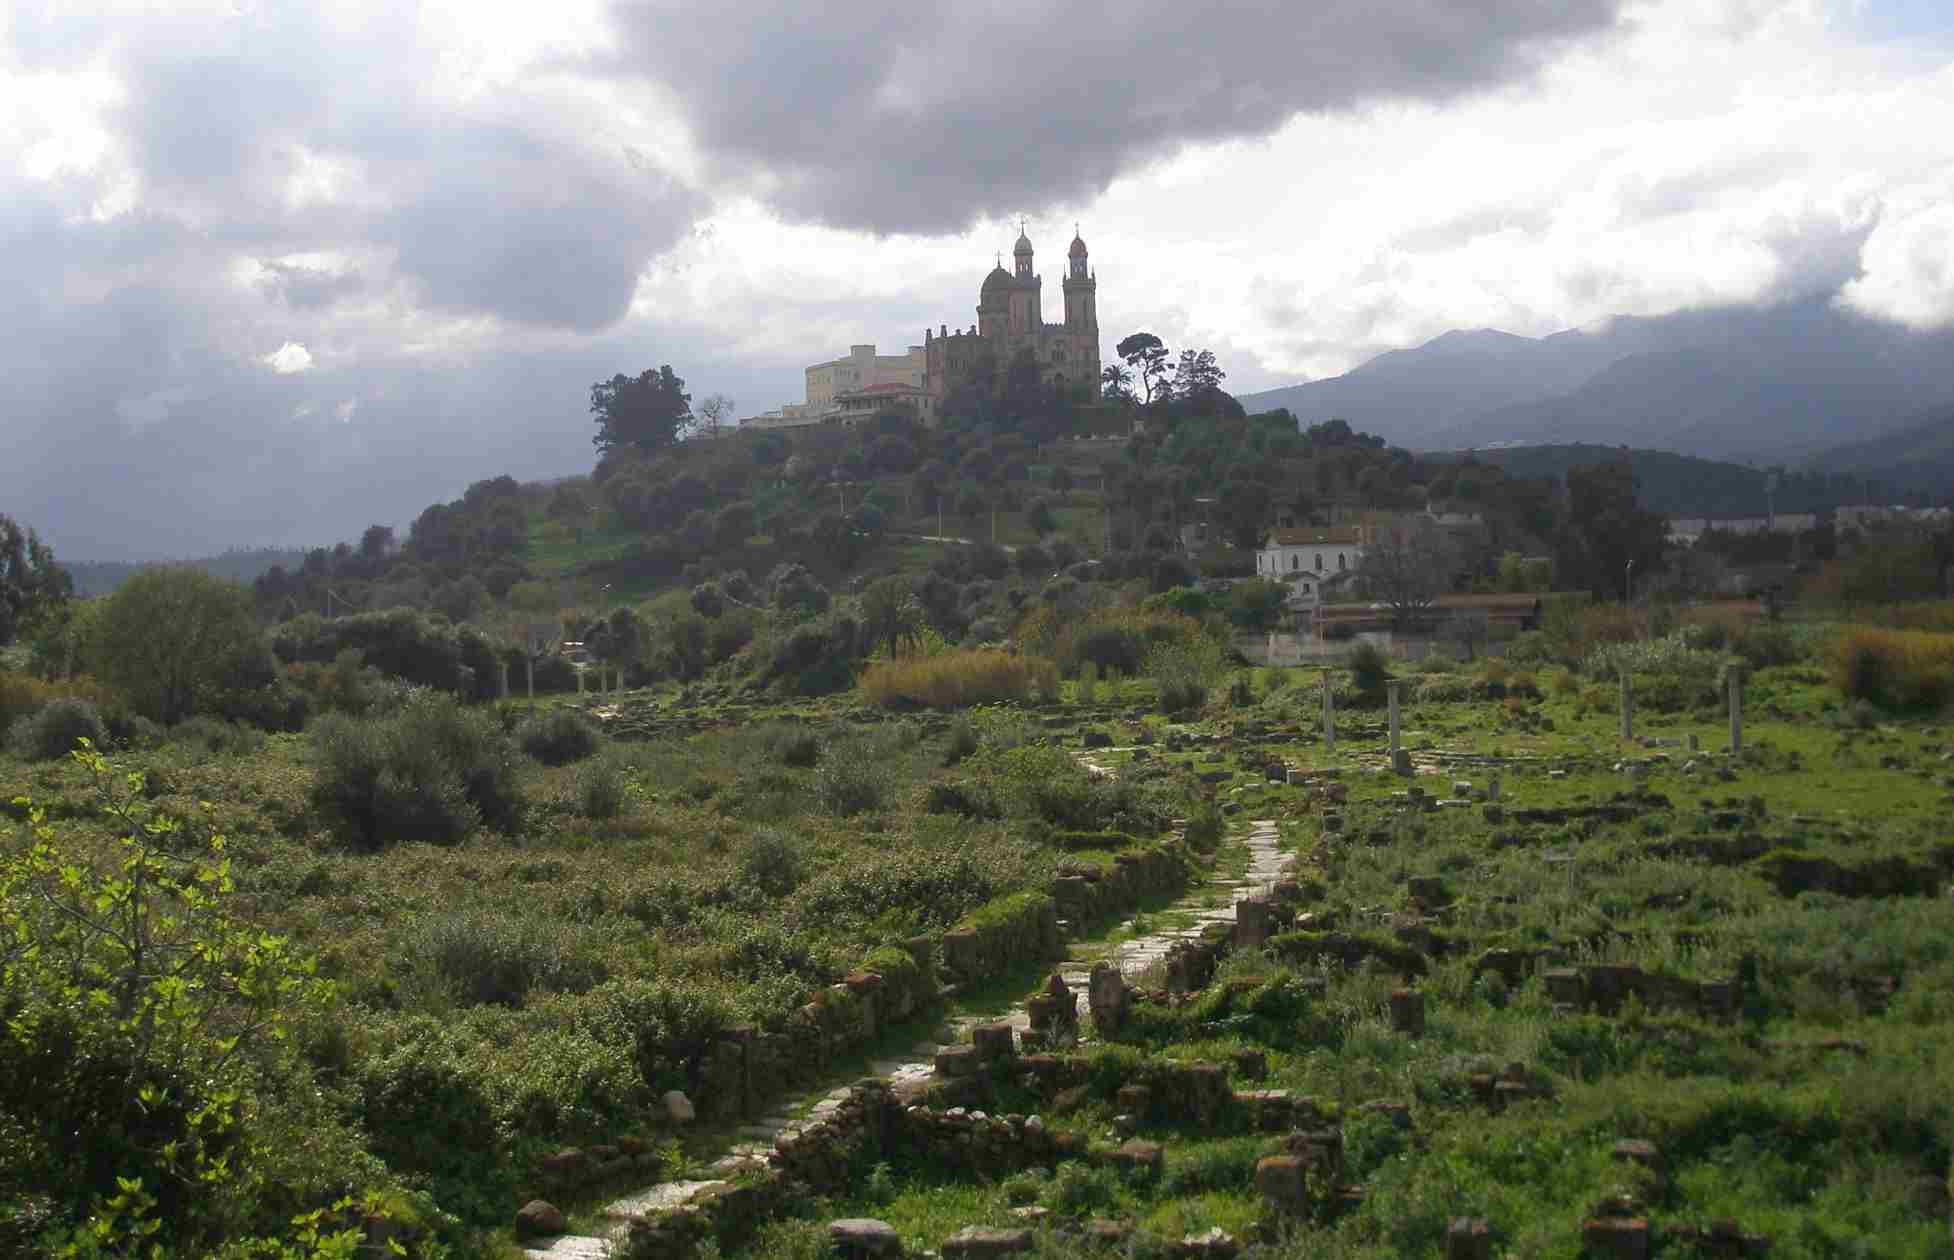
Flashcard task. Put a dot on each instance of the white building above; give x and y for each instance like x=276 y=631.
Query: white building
x=1310 y=560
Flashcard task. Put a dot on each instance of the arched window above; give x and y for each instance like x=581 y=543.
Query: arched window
x=1340 y=564
x=1319 y=562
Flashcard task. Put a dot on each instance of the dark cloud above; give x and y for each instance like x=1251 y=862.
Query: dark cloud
x=923 y=115
x=544 y=238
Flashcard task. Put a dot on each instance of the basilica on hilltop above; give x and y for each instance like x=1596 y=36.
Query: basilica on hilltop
x=1011 y=320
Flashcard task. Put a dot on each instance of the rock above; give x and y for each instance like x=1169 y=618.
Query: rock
x=860 y=1237
x=977 y=1242
x=1468 y=1238
x=1147 y=1157
x=1284 y=1181
x=679 y=1108
x=1616 y=1237
x=1216 y=1244
x=993 y=1041
x=538 y=1218
x=1107 y=996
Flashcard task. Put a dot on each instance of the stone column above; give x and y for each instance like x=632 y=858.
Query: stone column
x=1736 y=710
x=1400 y=760
x=1329 y=712
x=1628 y=709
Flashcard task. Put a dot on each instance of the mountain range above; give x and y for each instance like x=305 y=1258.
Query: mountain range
x=1800 y=383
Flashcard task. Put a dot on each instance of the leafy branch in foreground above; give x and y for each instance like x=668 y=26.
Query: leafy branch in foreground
x=152 y=1094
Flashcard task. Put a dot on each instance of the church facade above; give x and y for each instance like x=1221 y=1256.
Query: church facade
x=1011 y=321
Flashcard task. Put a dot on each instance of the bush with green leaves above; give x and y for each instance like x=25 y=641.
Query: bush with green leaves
x=559 y=736
x=56 y=729
x=149 y=1016
x=847 y=785
x=601 y=788
x=1369 y=670
x=1185 y=671
x=486 y=958
x=771 y=862
x=433 y=772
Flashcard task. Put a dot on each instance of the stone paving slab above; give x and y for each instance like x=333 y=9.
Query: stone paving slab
x=569 y=1247
x=666 y=1194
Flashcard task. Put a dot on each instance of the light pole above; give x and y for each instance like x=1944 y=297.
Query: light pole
x=1628 y=582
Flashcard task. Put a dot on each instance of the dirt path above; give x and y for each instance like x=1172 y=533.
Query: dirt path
x=1135 y=957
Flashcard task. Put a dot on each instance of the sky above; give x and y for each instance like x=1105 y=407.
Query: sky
x=273 y=272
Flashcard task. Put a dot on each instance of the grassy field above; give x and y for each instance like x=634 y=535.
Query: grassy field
x=541 y=985
x=1809 y=873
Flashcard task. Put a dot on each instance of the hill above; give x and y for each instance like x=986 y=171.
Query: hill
x=1767 y=383
x=1917 y=458
x=101 y=577
x=1684 y=485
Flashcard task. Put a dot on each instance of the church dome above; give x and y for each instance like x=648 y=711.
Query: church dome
x=997 y=282
x=1078 y=249
x=1023 y=246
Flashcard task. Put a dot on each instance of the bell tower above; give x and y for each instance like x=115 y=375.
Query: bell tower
x=1081 y=290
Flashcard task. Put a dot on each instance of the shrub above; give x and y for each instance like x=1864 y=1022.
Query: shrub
x=1894 y=669
x=559 y=737
x=795 y=747
x=963 y=741
x=22 y=695
x=1369 y=670
x=601 y=789
x=957 y=678
x=56 y=728
x=1443 y=688
x=969 y=800
x=770 y=862
x=486 y=958
x=1184 y=672
x=432 y=773
x=1766 y=644
x=217 y=738
x=847 y=786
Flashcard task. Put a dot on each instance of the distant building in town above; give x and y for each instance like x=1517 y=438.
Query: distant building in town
x=837 y=390
x=1313 y=561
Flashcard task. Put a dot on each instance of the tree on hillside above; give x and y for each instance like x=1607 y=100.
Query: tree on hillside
x=168 y=634
x=1607 y=531
x=890 y=612
x=1147 y=357
x=1197 y=374
x=1244 y=511
x=1406 y=569
x=716 y=416
x=31 y=583
x=645 y=413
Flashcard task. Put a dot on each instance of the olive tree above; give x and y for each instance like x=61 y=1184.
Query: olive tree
x=168 y=634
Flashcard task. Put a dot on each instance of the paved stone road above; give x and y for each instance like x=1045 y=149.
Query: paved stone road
x=1265 y=866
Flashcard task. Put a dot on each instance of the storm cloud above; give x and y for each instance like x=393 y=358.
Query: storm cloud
x=274 y=271
x=926 y=115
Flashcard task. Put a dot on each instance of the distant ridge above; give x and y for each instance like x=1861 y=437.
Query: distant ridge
x=1779 y=383
x=101 y=577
